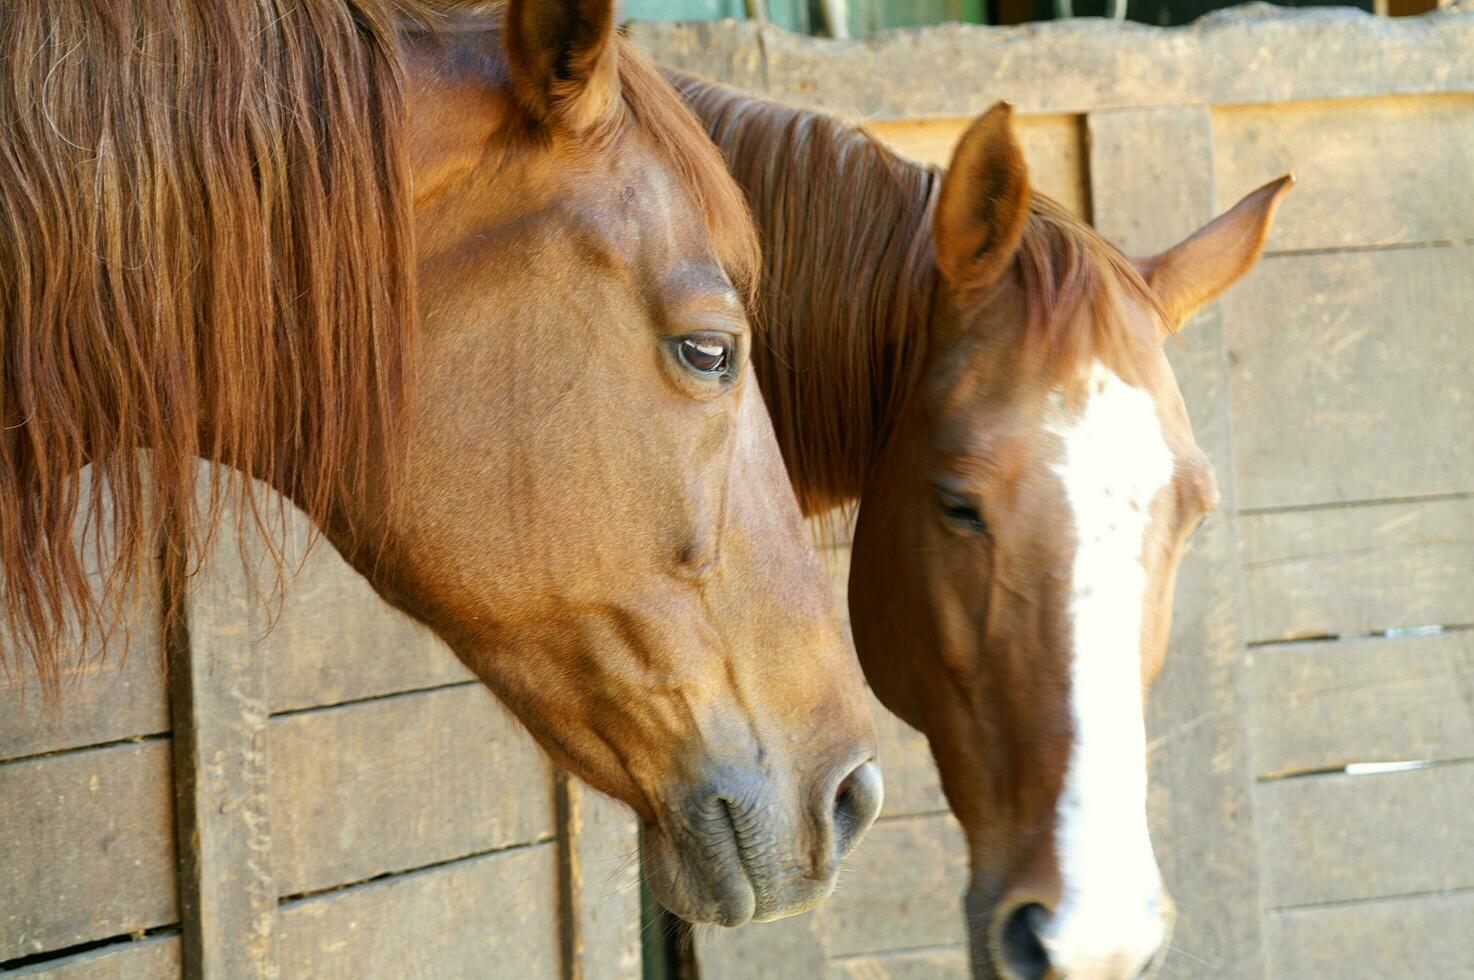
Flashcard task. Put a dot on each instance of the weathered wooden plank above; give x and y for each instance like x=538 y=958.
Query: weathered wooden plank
x=87 y=847
x=1370 y=171
x=785 y=949
x=1422 y=936
x=1340 y=838
x=484 y=918
x=336 y=641
x=1054 y=147
x=599 y=882
x=912 y=786
x=932 y=964
x=1351 y=376
x=1356 y=570
x=903 y=889
x=1318 y=706
x=109 y=692
x=1149 y=187
x=1233 y=57
x=106 y=699
x=217 y=691
x=399 y=783
x=154 y=958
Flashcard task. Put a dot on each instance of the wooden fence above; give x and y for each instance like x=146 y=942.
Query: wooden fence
x=334 y=798
x=1322 y=619
x=351 y=804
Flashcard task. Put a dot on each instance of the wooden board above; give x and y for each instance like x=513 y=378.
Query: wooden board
x=1054 y=147
x=399 y=783
x=785 y=949
x=1369 y=171
x=155 y=958
x=1351 y=376
x=1237 y=57
x=335 y=640
x=1358 y=570
x=937 y=964
x=109 y=692
x=1342 y=838
x=1422 y=936
x=87 y=847
x=912 y=786
x=903 y=889
x=106 y=699
x=484 y=918
x=218 y=701
x=599 y=883
x=1318 y=706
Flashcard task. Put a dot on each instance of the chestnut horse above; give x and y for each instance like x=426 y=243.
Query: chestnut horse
x=987 y=377
x=469 y=295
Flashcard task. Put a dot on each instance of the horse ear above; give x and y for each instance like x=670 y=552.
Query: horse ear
x=984 y=203
x=562 y=59
x=1195 y=272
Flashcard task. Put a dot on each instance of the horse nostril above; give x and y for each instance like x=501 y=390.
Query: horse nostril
x=857 y=801
x=1023 y=955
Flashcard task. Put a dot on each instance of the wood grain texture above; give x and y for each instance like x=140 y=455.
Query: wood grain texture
x=218 y=699
x=106 y=699
x=484 y=918
x=1199 y=801
x=1351 y=376
x=1318 y=706
x=113 y=686
x=599 y=841
x=786 y=949
x=87 y=847
x=903 y=889
x=1342 y=838
x=399 y=783
x=1421 y=936
x=912 y=786
x=1357 y=570
x=1377 y=171
x=1054 y=147
x=1232 y=57
x=334 y=640
x=154 y=958
x=935 y=964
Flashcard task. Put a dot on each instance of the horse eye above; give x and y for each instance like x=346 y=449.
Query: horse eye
x=961 y=512
x=706 y=354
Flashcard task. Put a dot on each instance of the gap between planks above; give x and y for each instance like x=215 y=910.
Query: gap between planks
x=286 y=901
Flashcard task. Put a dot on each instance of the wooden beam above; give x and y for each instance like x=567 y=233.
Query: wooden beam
x=218 y=698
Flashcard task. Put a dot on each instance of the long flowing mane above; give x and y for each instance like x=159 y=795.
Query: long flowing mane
x=206 y=249
x=850 y=286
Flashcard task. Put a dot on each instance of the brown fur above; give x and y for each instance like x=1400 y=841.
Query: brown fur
x=206 y=250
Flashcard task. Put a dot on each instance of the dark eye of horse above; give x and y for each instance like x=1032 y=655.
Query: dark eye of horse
x=707 y=354
x=961 y=512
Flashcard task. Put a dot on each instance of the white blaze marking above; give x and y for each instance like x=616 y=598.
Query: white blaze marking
x=1110 y=919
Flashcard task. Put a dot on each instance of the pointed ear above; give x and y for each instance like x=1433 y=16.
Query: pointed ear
x=1192 y=274
x=563 y=59
x=984 y=203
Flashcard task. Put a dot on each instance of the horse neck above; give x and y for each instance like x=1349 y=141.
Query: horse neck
x=849 y=281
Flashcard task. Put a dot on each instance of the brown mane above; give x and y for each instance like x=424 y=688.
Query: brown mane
x=850 y=288
x=206 y=250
